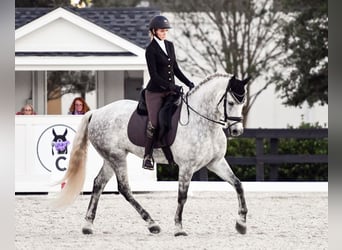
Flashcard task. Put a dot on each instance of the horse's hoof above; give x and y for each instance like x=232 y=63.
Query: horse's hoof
x=87 y=228
x=155 y=229
x=241 y=227
x=87 y=231
x=181 y=233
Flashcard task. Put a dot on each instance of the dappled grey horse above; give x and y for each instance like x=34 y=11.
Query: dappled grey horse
x=214 y=104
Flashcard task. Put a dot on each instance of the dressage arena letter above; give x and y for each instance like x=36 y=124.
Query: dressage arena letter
x=57 y=163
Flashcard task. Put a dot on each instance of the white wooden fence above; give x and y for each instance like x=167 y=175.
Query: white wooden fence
x=38 y=164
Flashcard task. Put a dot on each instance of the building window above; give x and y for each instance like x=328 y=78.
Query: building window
x=63 y=86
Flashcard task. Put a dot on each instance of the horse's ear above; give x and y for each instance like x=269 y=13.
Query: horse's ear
x=65 y=133
x=246 y=80
x=54 y=132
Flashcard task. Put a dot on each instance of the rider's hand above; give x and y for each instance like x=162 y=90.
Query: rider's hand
x=176 y=88
x=191 y=85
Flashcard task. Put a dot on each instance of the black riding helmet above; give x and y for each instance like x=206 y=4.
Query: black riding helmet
x=159 y=22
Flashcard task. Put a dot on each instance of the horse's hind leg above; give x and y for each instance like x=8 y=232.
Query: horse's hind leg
x=184 y=179
x=124 y=189
x=100 y=182
x=223 y=170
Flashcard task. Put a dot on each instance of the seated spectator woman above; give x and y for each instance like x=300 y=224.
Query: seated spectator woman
x=27 y=110
x=78 y=107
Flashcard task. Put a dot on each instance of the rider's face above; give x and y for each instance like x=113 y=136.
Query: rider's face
x=161 y=33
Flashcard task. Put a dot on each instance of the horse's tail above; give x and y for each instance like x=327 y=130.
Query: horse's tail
x=75 y=175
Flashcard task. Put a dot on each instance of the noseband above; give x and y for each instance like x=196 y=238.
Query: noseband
x=224 y=99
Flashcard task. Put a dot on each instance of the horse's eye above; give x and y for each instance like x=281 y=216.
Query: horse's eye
x=230 y=103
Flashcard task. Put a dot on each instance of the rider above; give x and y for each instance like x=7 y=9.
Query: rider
x=162 y=67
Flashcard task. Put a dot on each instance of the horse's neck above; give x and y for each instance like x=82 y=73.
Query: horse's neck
x=206 y=97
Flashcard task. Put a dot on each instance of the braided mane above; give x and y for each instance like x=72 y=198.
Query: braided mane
x=207 y=79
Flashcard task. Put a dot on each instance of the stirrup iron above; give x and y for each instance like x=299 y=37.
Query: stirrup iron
x=148 y=163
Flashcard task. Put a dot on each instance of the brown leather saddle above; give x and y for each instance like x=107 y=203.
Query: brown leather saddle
x=168 y=122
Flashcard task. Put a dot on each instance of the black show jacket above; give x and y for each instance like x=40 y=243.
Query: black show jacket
x=162 y=68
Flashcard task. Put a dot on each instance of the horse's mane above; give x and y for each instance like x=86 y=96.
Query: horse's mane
x=207 y=79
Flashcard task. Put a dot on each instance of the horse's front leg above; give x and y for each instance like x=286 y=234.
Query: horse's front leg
x=184 y=178
x=223 y=170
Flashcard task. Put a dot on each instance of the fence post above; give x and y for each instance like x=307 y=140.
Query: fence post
x=273 y=167
x=259 y=164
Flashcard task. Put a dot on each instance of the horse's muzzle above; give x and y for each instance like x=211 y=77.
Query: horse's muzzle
x=235 y=130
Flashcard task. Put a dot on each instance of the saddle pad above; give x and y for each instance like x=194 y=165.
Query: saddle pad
x=137 y=129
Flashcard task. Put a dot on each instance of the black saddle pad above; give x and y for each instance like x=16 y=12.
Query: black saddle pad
x=137 y=129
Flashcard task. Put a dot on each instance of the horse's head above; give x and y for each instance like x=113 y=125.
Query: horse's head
x=234 y=100
x=230 y=103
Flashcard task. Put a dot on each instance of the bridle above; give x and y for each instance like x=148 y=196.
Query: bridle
x=224 y=99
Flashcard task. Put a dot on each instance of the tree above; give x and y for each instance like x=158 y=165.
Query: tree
x=304 y=77
x=60 y=83
x=234 y=36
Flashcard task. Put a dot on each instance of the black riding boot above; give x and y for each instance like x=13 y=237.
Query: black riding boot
x=151 y=136
x=169 y=156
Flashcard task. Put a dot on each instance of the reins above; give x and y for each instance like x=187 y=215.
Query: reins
x=188 y=108
x=226 y=117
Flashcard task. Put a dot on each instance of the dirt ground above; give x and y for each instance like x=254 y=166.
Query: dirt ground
x=275 y=221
